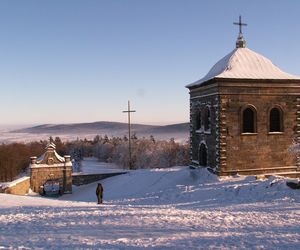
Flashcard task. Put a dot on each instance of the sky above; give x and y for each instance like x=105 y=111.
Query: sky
x=71 y=61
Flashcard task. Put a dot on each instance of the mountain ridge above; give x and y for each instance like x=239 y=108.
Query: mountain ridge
x=107 y=127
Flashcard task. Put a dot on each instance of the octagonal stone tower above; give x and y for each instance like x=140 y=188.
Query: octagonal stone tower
x=244 y=116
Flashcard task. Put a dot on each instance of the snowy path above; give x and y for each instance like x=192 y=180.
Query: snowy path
x=166 y=209
x=91 y=165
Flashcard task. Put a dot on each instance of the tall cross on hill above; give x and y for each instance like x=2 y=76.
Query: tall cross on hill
x=240 y=23
x=129 y=111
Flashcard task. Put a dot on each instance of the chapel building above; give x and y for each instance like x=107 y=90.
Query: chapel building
x=245 y=115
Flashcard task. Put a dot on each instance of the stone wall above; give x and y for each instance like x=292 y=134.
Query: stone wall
x=83 y=179
x=250 y=153
x=20 y=186
x=207 y=97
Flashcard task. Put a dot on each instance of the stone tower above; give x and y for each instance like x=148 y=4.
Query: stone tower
x=244 y=116
x=51 y=166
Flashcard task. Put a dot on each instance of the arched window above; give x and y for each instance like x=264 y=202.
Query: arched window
x=198 y=120
x=203 y=155
x=275 y=120
x=206 y=119
x=249 y=120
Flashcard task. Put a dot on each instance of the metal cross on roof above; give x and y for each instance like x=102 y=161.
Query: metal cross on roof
x=240 y=23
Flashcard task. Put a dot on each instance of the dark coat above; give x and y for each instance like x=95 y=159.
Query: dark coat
x=99 y=190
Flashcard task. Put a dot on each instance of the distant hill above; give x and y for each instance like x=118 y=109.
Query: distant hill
x=82 y=127
x=173 y=128
x=180 y=130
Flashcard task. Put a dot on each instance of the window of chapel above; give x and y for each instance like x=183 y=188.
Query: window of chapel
x=207 y=123
x=198 y=120
x=275 y=122
x=249 y=120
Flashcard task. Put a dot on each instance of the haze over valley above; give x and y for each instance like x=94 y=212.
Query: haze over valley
x=179 y=132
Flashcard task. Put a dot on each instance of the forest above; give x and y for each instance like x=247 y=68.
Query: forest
x=146 y=153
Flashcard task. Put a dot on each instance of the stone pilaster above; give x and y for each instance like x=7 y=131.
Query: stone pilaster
x=298 y=130
x=191 y=132
x=222 y=123
x=217 y=122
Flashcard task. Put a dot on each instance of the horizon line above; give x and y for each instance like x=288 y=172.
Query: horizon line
x=3 y=125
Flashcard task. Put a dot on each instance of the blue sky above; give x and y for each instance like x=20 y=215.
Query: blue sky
x=80 y=61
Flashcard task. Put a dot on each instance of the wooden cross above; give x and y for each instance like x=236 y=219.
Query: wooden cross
x=129 y=111
x=240 y=24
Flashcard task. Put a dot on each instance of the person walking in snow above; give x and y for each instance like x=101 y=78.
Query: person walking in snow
x=99 y=193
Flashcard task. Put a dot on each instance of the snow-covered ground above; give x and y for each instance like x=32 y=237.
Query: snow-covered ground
x=175 y=208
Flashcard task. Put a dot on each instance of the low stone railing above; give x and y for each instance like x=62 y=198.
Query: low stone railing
x=20 y=186
x=83 y=179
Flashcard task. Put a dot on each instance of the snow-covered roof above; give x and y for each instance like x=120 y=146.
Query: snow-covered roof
x=50 y=157
x=244 y=63
x=51 y=145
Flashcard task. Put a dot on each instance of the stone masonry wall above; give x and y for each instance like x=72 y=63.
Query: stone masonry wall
x=261 y=150
x=207 y=97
